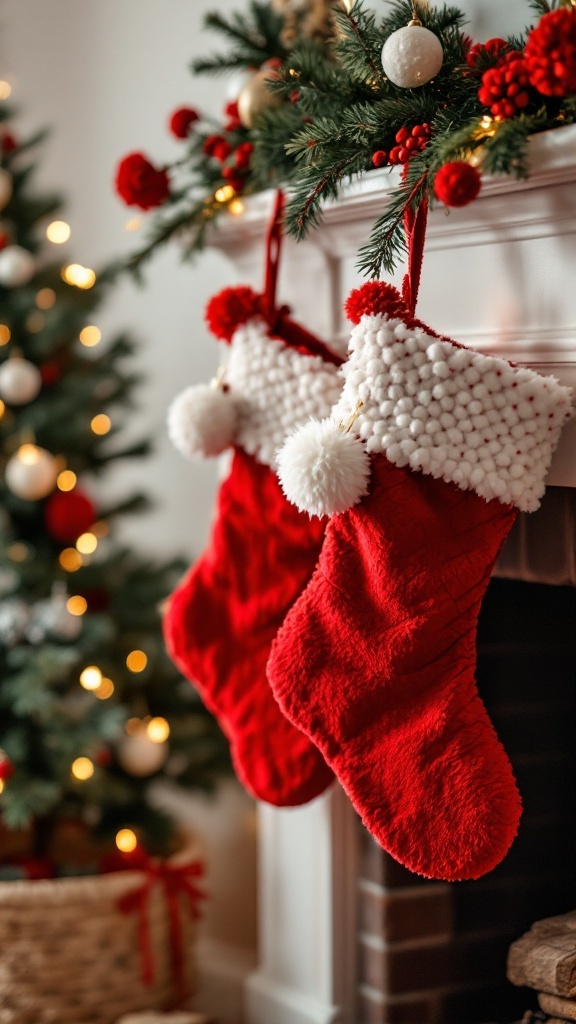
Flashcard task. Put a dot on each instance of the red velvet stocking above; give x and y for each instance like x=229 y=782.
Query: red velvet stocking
x=222 y=619
x=375 y=663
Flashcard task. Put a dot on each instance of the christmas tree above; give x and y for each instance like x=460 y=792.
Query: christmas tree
x=92 y=712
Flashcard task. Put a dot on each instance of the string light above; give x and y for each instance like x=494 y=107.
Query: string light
x=236 y=207
x=79 y=276
x=158 y=730
x=5 y=334
x=86 y=543
x=5 y=89
x=126 y=840
x=133 y=224
x=35 y=322
x=2 y=408
x=136 y=661
x=70 y=560
x=105 y=690
x=66 y=480
x=58 y=232
x=100 y=424
x=18 y=551
x=77 y=604
x=222 y=195
x=1 y=786
x=82 y=768
x=45 y=298
x=91 y=677
x=90 y=336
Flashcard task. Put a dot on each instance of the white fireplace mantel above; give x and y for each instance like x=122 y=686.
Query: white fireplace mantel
x=498 y=275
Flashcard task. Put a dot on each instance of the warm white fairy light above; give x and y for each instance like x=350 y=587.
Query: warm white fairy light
x=91 y=677
x=58 y=232
x=82 y=769
x=126 y=840
x=158 y=730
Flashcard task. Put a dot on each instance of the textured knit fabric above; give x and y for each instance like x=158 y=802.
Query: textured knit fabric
x=376 y=663
x=222 y=619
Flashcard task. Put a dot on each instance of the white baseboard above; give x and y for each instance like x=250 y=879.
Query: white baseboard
x=270 y=1003
x=222 y=973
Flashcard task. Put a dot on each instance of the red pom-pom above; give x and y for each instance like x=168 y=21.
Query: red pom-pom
x=457 y=183
x=6 y=767
x=550 y=53
x=506 y=89
x=375 y=298
x=182 y=120
x=67 y=514
x=229 y=309
x=489 y=52
x=141 y=184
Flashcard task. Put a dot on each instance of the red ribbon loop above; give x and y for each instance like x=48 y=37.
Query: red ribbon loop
x=176 y=880
x=415 y=223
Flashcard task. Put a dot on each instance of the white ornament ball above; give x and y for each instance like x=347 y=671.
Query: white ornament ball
x=17 y=266
x=31 y=473
x=5 y=187
x=140 y=756
x=14 y=617
x=20 y=381
x=52 y=618
x=412 y=56
x=323 y=469
x=255 y=97
x=202 y=421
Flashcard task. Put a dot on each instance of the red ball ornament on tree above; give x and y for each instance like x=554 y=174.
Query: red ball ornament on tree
x=141 y=184
x=182 y=120
x=457 y=183
x=50 y=373
x=6 y=767
x=550 y=53
x=67 y=514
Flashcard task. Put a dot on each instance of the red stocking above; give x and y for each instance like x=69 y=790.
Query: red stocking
x=376 y=660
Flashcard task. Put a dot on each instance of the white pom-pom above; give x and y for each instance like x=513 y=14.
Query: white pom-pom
x=323 y=469
x=202 y=421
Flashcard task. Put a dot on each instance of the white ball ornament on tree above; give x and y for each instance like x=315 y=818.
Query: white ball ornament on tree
x=140 y=756
x=202 y=421
x=412 y=56
x=323 y=468
x=6 y=187
x=17 y=266
x=255 y=97
x=20 y=381
x=31 y=473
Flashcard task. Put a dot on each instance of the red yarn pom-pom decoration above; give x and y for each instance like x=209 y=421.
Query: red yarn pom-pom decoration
x=457 y=183
x=489 y=52
x=506 y=89
x=550 y=53
x=141 y=184
x=375 y=298
x=182 y=120
x=67 y=514
x=231 y=308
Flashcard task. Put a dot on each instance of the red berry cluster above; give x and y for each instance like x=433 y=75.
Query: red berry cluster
x=408 y=142
x=181 y=121
x=505 y=89
x=489 y=52
x=550 y=53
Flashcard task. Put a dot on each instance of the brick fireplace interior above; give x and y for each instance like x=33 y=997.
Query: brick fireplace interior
x=435 y=953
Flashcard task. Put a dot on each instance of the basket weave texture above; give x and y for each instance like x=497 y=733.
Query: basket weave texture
x=68 y=955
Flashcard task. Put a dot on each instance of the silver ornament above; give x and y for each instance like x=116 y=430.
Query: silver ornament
x=20 y=381
x=412 y=56
x=141 y=756
x=14 y=618
x=51 y=618
x=31 y=473
x=17 y=266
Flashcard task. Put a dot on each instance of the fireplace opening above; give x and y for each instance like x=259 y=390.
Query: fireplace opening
x=434 y=952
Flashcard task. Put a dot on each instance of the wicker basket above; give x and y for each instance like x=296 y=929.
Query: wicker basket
x=68 y=955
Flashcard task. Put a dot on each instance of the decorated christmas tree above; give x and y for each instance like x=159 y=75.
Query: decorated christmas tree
x=92 y=712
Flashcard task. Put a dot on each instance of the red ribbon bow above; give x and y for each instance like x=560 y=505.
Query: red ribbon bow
x=177 y=881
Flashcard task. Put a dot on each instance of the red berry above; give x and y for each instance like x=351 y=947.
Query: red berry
x=395 y=154
x=380 y=158
x=243 y=154
x=402 y=134
x=221 y=150
x=403 y=155
x=294 y=96
x=233 y=122
x=411 y=144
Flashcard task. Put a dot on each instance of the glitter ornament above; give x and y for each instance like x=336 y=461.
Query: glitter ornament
x=5 y=187
x=31 y=473
x=20 y=381
x=17 y=266
x=140 y=756
x=412 y=56
x=255 y=97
